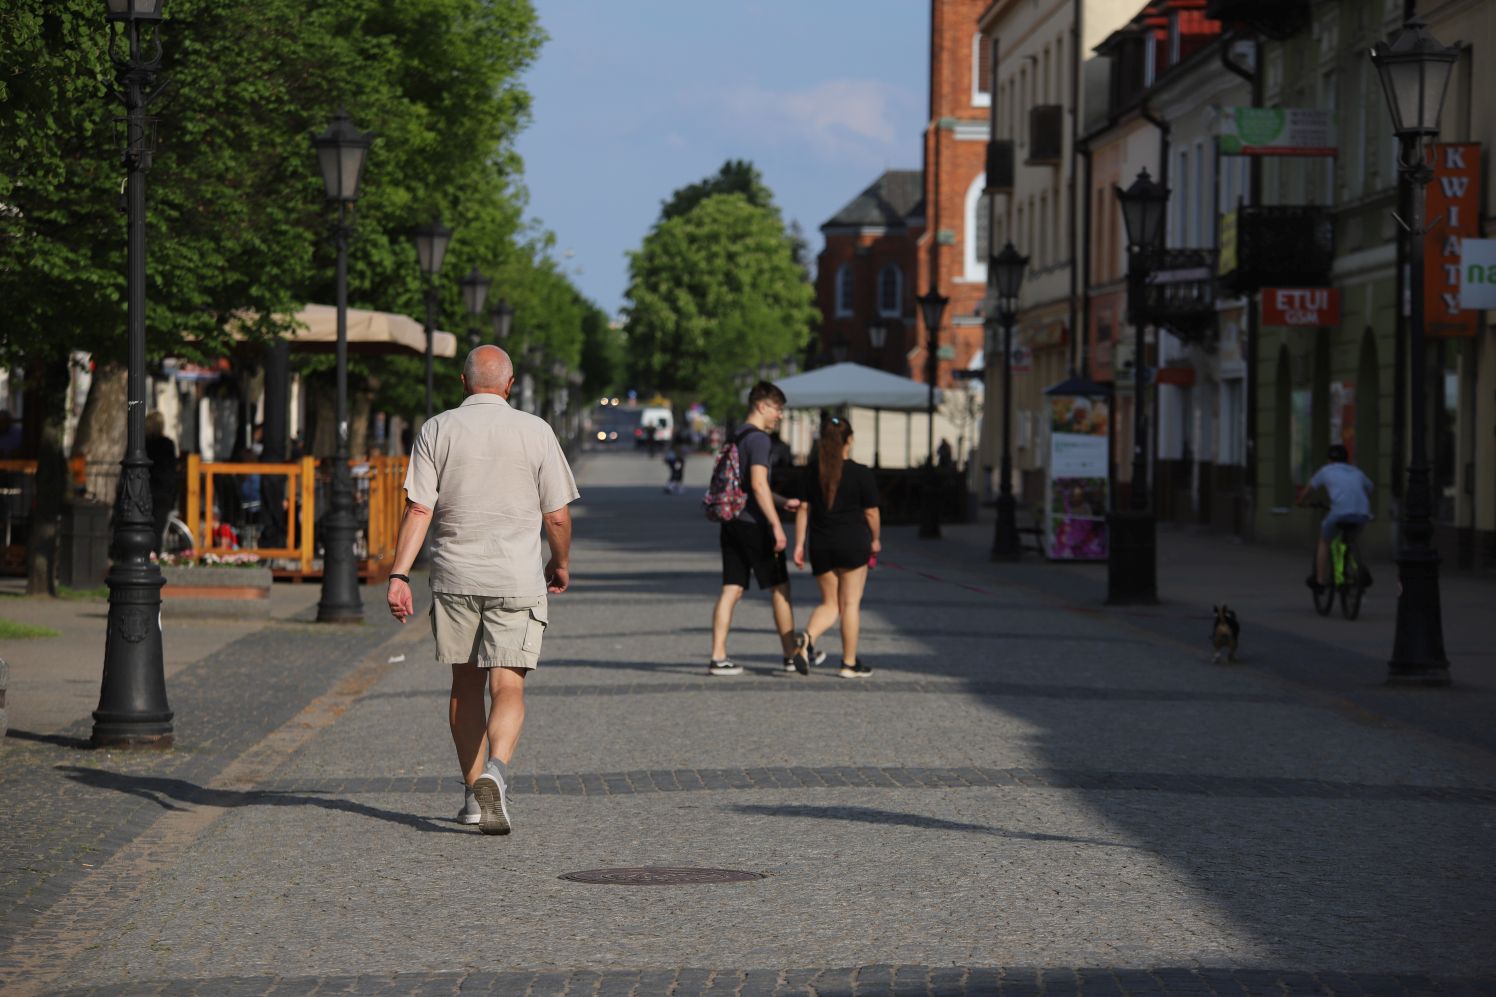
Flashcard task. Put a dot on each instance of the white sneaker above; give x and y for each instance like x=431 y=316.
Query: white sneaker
x=492 y=794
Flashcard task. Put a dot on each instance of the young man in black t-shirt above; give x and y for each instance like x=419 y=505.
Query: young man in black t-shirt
x=753 y=544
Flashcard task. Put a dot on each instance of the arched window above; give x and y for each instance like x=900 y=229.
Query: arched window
x=890 y=290
x=978 y=231
x=845 y=286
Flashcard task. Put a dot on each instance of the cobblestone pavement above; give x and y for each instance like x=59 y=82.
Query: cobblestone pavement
x=1023 y=782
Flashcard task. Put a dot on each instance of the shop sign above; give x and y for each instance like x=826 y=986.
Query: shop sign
x=1076 y=491
x=1022 y=358
x=1301 y=307
x=1453 y=210
x=1277 y=131
x=1477 y=273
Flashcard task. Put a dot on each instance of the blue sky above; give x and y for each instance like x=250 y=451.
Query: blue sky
x=634 y=98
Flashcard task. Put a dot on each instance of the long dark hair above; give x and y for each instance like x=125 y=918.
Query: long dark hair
x=836 y=432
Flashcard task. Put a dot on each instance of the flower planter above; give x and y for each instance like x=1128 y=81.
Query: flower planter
x=205 y=591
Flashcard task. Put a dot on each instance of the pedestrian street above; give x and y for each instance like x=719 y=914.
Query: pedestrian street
x=1027 y=794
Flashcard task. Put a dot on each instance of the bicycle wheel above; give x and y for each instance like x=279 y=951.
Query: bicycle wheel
x=176 y=538
x=1324 y=599
x=1352 y=590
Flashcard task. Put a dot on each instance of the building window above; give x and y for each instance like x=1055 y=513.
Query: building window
x=1150 y=59
x=978 y=230
x=890 y=290
x=981 y=71
x=844 y=288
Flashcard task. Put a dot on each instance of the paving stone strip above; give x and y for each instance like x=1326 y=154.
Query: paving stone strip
x=888 y=777
x=796 y=685
x=59 y=825
x=930 y=980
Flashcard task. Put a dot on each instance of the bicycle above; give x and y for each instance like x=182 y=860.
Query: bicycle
x=176 y=538
x=1347 y=573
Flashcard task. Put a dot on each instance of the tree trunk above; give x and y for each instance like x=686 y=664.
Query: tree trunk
x=324 y=419
x=360 y=410
x=51 y=480
x=100 y=439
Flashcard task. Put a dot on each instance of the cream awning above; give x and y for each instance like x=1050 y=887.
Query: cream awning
x=368 y=332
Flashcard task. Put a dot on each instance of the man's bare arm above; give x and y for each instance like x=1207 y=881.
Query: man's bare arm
x=413 y=527
x=758 y=480
x=558 y=535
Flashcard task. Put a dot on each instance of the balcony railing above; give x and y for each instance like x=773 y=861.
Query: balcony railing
x=1281 y=246
x=1179 y=292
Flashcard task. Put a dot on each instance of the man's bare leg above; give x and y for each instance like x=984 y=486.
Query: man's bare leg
x=784 y=617
x=465 y=713
x=722 y=619
x=506 y=716
x=1322 y=561
x=823 y=617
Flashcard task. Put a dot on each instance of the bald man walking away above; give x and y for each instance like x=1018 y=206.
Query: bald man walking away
x=489 y=477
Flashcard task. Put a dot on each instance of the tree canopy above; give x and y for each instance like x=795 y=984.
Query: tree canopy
x=237 y=221
x=712 y=292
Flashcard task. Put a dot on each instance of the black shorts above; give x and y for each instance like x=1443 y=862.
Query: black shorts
x=846 y=553
x=748 y=548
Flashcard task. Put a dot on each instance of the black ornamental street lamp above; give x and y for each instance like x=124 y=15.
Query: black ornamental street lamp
x=1415 y=69
x=503 y=321
x=431 y=248
x=932 y=305
x=474 y=293
x=132 y=699
x=877 y=338
x=1005 y=278
x=1132 y=560
x=341 y=151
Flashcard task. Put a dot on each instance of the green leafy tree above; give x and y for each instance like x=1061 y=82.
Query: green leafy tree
x=713 y=292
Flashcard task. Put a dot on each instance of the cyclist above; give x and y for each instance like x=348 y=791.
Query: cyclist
x=1350 y=505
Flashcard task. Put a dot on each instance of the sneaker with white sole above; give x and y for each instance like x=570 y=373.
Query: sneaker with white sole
x=470 y=813
x=854 y=670
x=725 y=666
x=492 y=794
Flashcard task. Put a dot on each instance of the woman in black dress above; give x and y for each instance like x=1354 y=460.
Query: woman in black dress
x=839 y=516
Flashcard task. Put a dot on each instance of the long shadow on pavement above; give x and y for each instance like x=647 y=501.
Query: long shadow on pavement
x=168 y=793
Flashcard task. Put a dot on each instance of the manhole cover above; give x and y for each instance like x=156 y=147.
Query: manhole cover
x=660 y=876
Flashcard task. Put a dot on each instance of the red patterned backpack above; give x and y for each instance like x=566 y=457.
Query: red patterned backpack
x=725 y=497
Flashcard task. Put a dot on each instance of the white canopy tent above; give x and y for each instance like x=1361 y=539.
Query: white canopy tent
x=855 y=386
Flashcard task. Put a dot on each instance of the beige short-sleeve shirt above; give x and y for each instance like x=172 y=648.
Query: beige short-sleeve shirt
x=488 y=472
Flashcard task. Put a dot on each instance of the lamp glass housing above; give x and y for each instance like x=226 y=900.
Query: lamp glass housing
x=431 y=246
x=1414 y=69
x=133 y=10
x=1009 y=266
x=877 y=335
x=503 y=320
x=932 y=306
x=1143 y=205
x=475 y=291
x=341 y=152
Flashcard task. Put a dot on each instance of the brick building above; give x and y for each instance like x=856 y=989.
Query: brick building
x=865 y=274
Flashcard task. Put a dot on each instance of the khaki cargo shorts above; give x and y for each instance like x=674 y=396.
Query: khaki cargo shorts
x=490 y=631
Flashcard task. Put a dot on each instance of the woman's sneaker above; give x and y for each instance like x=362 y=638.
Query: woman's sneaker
x=855 y=670
x=726 y=666
x=470 y=813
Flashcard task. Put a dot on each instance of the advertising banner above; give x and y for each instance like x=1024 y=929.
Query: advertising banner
x=1453 y=214
x=1477 y=273
x=1301 y=307
x=1277 y=131
x=1076 y=497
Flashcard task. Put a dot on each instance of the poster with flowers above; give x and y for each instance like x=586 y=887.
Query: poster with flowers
x=1077 y=496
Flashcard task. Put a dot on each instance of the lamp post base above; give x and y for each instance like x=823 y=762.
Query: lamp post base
x=1132 y=563
x=1418 y=657
x=1006 y=545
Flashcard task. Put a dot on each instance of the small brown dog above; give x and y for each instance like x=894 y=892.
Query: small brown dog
x=1224 y=634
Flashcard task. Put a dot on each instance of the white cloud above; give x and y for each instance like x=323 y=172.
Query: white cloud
x=835 y=117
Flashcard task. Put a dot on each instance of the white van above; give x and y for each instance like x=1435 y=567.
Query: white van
x=657 y=421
